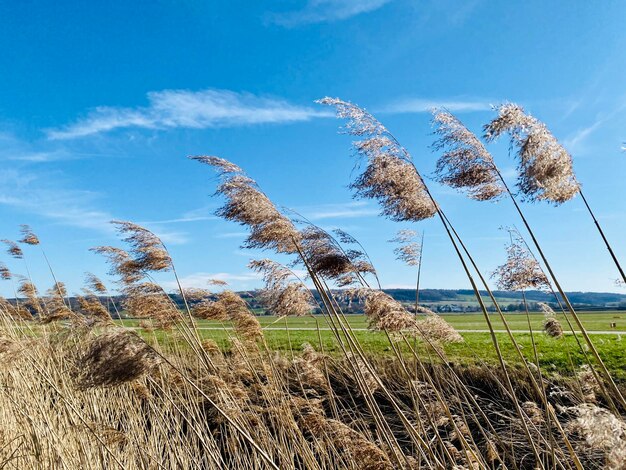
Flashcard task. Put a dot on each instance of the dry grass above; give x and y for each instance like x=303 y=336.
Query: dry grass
x=79 y=392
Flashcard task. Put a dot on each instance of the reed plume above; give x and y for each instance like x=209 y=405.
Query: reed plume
x=281 y=296
x=545 y=167
x=13 y=249
x=229 y=306
x=327 y=258
x=95 y=283
x=409 y=250
x=465 y=163
x=148 y=251
x=247 y=205
x=149 y=300
x=435 y=329
x=384 y=313
x=600 y=430
x=5 y=272
x=121 y=264
x=389 y=176
x=55 y=307
x=112 y=358
x=551 y=324
x=28 y=236
x=365 y=454
x=521 y=270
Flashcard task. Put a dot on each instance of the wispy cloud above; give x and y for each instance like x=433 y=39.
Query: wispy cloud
x=423 y=105
x=201 y=280
x=320 y=11
x=169 y=109
x=336 y=211
x=33 y=194
x=180 y=220
x=231 y=235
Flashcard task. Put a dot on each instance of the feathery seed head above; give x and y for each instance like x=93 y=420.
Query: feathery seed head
x=545 y=167
x=149 y=300
x=112 y=358
x=521 y=270
x=95 y=284
x=247 y=205
x=148 y=251
x=384 y=312
x=221 y=165
x=280 y=296
x=5 y=273
x=389 y=176
x=28 y=236
x=409 y=250
x=328 y=259
x=121 y=263
x=551 y=324
x=465 y=162
x=13 y=249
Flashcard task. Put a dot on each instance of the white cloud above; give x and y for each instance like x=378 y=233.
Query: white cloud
x=170 y=109
x=201 y=280
x=33 y=194
x=320 y=11
x=422 y=105
x=231 y=235
x=336 y=211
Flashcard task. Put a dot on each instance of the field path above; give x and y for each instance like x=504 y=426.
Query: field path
x=305 y=328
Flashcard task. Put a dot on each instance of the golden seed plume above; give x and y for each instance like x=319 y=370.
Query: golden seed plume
x=13 y=249
x=95 y=283
x=409 y=250
x=551 y=324
x=5 y=273
x=247 y=205
x=149 y=300
x=121 y=263
x=28 y=236
x=436 y=329
x=521 y=270
x=148 y=251
x=112 y=358
x=385 y=313
x=326 y=257
x=229 y=306
x=389 y=176
x=465 y=162
x=545 y=167
x=91 y=307
x=280 y=296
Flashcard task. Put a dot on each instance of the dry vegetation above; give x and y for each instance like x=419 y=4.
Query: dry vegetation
x=78 y=391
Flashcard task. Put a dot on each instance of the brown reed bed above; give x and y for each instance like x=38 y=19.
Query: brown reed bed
x=78 y=391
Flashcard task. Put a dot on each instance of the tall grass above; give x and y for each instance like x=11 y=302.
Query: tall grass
x=78 y=391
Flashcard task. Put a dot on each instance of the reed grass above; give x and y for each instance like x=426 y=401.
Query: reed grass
x=78 y=390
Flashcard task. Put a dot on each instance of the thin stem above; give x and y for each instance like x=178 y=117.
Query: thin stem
x=606 y=242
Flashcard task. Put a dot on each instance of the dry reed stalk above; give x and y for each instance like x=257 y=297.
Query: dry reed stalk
x=362 y=123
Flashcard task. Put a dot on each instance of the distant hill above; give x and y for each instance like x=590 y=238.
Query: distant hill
x=445 y=300
x=463 y=300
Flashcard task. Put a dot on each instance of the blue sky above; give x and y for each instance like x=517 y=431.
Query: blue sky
x=100 y=103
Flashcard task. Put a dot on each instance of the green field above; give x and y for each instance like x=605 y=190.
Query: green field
x=555 y=355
